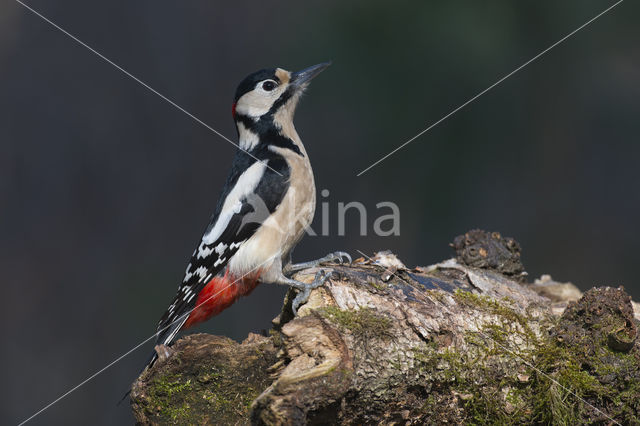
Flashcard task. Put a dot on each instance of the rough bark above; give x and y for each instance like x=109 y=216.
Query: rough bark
x=465 y=340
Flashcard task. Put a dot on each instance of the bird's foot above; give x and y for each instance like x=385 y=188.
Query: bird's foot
x=304 y=290
x=337 y=257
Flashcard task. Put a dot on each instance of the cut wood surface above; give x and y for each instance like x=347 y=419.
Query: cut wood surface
x=464 y=340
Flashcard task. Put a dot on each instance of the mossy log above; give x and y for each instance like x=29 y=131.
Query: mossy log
x=462 y=341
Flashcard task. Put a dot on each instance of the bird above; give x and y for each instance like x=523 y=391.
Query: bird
x=266 y=204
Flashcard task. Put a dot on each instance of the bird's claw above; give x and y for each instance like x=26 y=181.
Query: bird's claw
x=337 y=257
x=304 y=290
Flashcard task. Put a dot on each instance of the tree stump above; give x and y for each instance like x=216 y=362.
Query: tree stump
x=465 y=340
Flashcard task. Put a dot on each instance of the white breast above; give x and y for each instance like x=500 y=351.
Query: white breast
x=278 y=235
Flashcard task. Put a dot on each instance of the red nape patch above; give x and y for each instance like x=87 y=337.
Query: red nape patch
x=233 y=110
x=219 y=294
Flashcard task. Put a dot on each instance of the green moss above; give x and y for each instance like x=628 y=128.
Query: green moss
x=559 y=385
x=364 y=322
x=164 y=394
x=171 y=386
x=212 y=395
x=226 y=395
x=500 y=308
x=556 y=382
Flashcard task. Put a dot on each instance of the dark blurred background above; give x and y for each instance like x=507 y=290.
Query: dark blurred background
x=105 y=188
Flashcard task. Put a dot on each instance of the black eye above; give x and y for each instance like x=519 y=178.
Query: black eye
x=269 y=85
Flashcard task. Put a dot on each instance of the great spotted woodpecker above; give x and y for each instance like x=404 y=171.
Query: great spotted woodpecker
x=266 y=204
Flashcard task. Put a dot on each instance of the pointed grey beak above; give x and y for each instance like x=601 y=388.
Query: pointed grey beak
x=302 y=78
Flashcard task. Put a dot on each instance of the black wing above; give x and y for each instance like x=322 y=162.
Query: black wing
x=233 y=228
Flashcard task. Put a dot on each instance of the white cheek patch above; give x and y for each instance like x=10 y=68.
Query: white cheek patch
x=258 y=102
x=253 y=104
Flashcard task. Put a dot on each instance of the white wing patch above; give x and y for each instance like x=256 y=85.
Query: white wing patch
x=246 y=184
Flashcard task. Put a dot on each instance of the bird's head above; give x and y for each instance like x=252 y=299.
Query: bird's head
x=265 y=93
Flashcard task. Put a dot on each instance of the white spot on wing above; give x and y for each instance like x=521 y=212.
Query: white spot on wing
x=187 y=273
x=201 y=271
x=204 y=251
x=235 y=245
x=220 y=248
